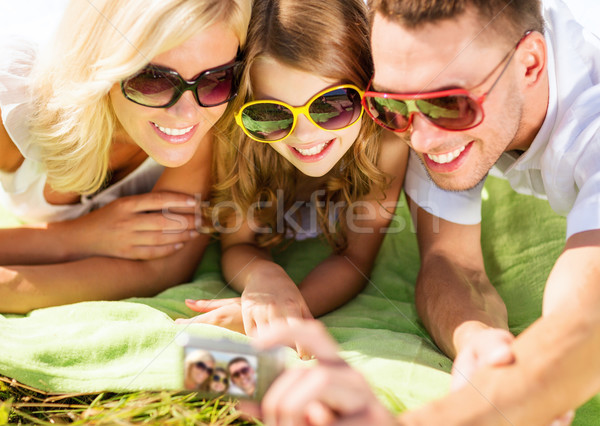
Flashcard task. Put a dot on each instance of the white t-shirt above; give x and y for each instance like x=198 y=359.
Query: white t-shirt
x=562 y=164
x=21 y=192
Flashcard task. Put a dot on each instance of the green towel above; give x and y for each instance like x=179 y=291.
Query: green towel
x=129 y=345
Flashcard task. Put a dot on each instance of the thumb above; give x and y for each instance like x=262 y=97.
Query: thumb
x=502 y=355
x=463 y=368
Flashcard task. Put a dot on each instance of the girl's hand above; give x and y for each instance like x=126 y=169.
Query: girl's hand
x=221 y=312
x=268 y=302
x=144 y=226
x=260 y=306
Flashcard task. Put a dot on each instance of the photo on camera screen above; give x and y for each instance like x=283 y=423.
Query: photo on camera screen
x=223 y=367
x=220 y=373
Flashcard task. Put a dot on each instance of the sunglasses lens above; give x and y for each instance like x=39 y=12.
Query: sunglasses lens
x=241 y=372
x=216 y=87
x=457 y=112
x=267 y=122
x=219 y=379
x=336 y=109
x=151 y=87
x=202 y=366
x=451 y=112
x=389 y=113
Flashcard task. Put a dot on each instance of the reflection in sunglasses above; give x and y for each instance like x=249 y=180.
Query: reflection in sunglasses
x=445 y=108
x=450 y=109
x=159 y=87
x=335 y=108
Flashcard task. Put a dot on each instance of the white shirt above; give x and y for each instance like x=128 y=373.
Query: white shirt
x=562 y=164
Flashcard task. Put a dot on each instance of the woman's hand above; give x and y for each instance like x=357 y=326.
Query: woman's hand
x=144 y=226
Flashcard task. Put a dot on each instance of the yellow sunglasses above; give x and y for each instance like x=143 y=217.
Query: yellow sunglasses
x=335 y=108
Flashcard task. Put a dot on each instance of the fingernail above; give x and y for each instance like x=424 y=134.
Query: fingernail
x=194 y=234
x=178 y=246
x=191 y=202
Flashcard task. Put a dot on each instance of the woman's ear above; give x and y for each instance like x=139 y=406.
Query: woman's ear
x=533 y=58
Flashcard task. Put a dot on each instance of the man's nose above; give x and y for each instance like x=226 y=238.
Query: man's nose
x=424 y=136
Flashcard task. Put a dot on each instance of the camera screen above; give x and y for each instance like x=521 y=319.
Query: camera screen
x=220 y=372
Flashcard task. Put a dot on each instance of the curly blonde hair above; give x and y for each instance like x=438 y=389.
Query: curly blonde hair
x=98 y=44
x=332 y=38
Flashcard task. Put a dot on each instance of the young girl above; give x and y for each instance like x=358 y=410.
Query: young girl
x=219 y=382
x=304 y=140
x=126 y=88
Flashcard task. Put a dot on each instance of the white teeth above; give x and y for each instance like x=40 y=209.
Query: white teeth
x=446 y=158
x=314 y=150
x=173 y=132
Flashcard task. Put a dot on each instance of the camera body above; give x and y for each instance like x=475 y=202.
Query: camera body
x=223 y=367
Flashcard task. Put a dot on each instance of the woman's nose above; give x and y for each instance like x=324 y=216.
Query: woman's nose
x=186 y=108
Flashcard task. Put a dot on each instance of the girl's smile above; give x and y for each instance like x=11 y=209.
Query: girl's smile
x=311 y=150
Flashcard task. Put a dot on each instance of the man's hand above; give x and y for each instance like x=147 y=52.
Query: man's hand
x=486 y=347
x=489 y=347
x=329 y=393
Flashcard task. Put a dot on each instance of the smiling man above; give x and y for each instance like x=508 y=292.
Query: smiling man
x=242 y=375
x=508 y=87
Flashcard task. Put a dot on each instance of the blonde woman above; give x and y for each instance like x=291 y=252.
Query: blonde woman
x=306 y=156
x=199 y=369
x=125 y=100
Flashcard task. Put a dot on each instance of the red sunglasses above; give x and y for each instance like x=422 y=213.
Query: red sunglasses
x=454 y=109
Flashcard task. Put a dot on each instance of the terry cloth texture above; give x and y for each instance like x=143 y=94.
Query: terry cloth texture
x=130 y=345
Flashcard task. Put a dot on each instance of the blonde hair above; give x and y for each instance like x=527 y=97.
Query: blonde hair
x=191 y=359
x=99 y=43
x=326 y=38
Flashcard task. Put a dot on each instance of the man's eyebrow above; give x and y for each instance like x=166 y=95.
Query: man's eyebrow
x=378 y=88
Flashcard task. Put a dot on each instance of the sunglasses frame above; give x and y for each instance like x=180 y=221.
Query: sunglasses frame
x=185 y=85
x=297 y=110
x=242 y=371
x=202 y=366
x=413 y=97
x=221 y=379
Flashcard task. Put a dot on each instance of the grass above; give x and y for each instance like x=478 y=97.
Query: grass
x=21 y=404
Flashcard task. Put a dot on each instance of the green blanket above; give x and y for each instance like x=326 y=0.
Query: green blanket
x=129 y=345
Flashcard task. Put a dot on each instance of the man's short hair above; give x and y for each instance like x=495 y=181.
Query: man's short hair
x=236 y=360
x=511 y=18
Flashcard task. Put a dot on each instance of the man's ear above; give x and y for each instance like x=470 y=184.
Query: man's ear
x=533 y=58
